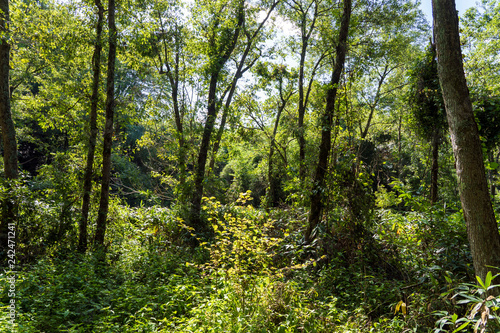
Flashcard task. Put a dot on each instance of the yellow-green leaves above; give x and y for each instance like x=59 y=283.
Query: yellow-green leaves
x=243 y=245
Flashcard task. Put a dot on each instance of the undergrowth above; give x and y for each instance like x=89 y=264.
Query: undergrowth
x=255 y=275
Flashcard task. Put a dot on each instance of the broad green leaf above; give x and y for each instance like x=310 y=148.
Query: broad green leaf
x=488 y=279
x=480 y=282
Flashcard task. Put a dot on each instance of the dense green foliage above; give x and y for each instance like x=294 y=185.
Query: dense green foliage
x=383 y=257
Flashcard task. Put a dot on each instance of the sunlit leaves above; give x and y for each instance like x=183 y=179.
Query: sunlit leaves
x=51 y=61
x=479 y=32
x=243 y=243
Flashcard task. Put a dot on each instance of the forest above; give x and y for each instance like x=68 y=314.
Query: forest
x=249 y=166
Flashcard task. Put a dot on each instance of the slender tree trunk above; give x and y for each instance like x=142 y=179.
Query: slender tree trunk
x=7 y=129
x=87 y=182
x=173 y=75
x=223 y=120
x=400 y=123
x=7 y=125
x=373 y=105
x=327 y=122
x=273 y=188
x=196 y=221
x=301 y=111
x=108 y=130
x=273 y=182
x=435 y=166
x=239 y=73
x=174 y=84
x=306 y=35
x=482 y=229
x=180 y=134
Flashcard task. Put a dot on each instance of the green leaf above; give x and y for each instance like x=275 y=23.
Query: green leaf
x=461 y=327
x=488 y=279
x=491 y=165
x=469 y=299
x=480 y=282
x=464 y=301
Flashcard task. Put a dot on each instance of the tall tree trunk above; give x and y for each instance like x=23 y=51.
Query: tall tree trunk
x=327 y=122
x=225 y=111
x=196 y=221
x=173 y=75
x=239 y=73
x=7 y=125
x=108 y=130
x=180 y=130
x=482 y=229
x=273 y=182
x=436 y=137
x=373 y=105
x=180 y=135
x=400 y=123
x=87 y=182
x=8 y=130
x=271 y=173
x=302 y=103
x=301 y=112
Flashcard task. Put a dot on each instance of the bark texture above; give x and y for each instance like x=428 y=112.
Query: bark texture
x=94 y=100
x=327 y=122
x=7 y=129
x=482 y=228
x=436 y=138
x=302 y=109
x=108 y=130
